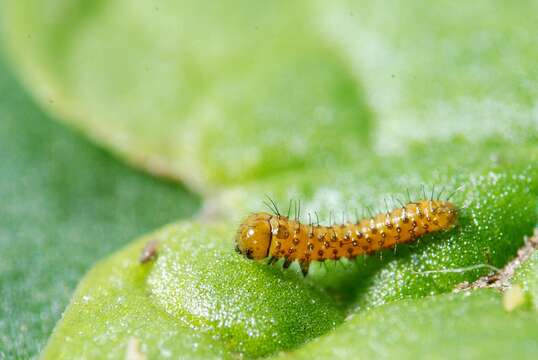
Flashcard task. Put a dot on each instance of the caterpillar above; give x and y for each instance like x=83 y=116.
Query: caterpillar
x=274 y=236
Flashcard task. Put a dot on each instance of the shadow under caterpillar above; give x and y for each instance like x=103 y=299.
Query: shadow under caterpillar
x=274 y=236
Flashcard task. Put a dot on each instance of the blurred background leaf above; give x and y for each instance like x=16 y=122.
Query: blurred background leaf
x=438 y=70
x=228 y=92
x=175 y=87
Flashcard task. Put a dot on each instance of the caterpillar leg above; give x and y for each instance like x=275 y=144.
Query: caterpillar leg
x=287 y=263
x=304 y=267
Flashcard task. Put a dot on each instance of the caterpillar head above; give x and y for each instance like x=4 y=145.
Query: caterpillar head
x=253 y=238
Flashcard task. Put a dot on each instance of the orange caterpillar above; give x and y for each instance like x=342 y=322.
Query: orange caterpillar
x=264 y=235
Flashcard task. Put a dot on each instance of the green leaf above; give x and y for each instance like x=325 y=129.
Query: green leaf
x=117 y=304
x=256 y=310
x=452 y=325
x=199 y=291
x=527 y=275
x=63 y=205
x=497 y=209
x=340 y=105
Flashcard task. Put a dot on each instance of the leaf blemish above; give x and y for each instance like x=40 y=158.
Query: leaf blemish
x=149 y=252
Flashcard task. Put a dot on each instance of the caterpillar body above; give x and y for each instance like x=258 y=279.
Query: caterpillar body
x=263 y=235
